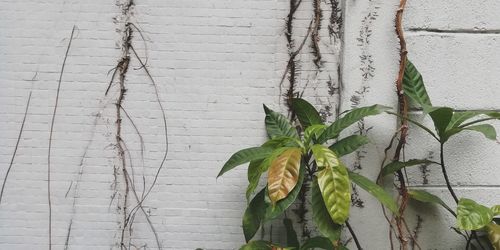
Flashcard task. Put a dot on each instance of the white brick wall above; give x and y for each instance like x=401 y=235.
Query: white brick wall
x=215 y=63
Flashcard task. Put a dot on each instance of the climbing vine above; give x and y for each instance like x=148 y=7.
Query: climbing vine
x=295 y=155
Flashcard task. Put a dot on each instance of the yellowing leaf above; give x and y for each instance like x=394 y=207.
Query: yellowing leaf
x=283 y=174
x=274 y=211
x=472 y=216
x=256 y=168
x=313 y=132
x=257 y=245
x=336 y=191
x=496 y=210
x=494 y=235
x=321 y=217
x=324 y=156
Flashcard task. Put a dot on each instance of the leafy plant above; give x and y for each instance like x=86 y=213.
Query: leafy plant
x=448 y=123
x=312 y=151
x=291 y=158
x=474 y=216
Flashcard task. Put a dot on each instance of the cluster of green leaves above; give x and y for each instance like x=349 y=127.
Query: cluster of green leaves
x=289 y=157
x=447 y=123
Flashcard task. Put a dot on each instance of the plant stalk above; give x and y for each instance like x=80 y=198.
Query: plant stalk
x=445 y=174
x=358 y=245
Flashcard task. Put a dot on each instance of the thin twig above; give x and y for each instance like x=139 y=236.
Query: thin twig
x=413 y=238
x=15 y=148
x=358 y=245
x=294 y=54
x=380 y=180
x=141 y=139
x=77 y=182
x=164 y=118
x=131 y=217
x=50 y=135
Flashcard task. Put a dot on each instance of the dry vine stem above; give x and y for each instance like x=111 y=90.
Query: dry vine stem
x=315 y=32
x=122 y=69
x=50 y=135
x=120 y=72
x=403 y=111
x=15 y=148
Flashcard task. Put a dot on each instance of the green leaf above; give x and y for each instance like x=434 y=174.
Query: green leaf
x=313 y=132
x=336 y=190
x=244 y=156
x=257 y=245
x=258 y=167
x=333 y=131
x=472 y=216
x=413 y=86
x=460 y=117
x=486 y=129
x=441 y=118
x=321 y=217
x=492 y=115
x=317 y=242
x=423 y=196
x=494 y=235
x=306 y=113
x=277 y=125
x=349 y=144
x=375 y=190
x=496 y=210
x=274 y=211
x=291 y=235
x=254 y=173
x=398 y=165
x=281 y=141
x=253 y=216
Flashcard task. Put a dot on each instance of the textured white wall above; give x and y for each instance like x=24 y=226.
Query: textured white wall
x=215 y=63
x=454 y=45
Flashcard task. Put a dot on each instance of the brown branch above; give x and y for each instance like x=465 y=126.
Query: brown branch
x=50 y=135
x=380 y=182
x=15 y=148
x=413 y=237
x=121 y=69
x=291 y=65
x=403 y=111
